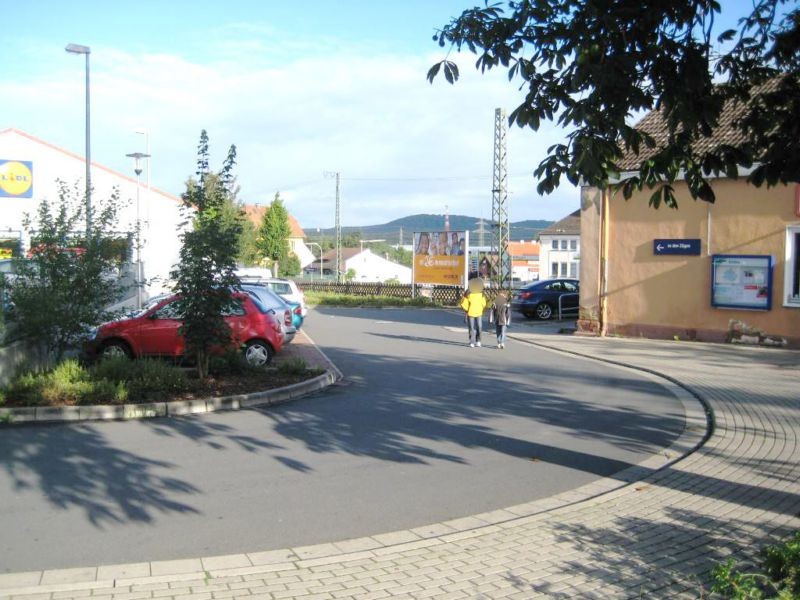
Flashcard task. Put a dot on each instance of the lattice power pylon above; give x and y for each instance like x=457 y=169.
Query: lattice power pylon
x=500 y=228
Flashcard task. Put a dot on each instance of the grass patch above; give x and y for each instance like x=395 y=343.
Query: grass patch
x=332 y=299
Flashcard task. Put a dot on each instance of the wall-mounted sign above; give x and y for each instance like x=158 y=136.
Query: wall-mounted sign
x=741 y=281
x=686 y=247
x=16 y=179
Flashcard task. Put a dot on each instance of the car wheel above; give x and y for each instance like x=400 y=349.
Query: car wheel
x=115 y=349
x=258 y=353
x=544 y=311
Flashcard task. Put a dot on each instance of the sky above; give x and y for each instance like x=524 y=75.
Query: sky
x=302 y=89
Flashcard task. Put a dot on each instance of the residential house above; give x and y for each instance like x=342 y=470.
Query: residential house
x=711 y=272
x=560 y=248
x=524 y=260
x=297 y=246
x=367 y=266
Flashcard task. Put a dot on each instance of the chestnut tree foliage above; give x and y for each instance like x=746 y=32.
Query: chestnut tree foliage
x=592 y=65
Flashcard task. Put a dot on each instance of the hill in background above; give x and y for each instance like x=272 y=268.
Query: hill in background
x=393 y=230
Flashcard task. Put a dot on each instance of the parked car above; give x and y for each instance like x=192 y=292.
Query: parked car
x=283 y=310
x=154 y=331
x=541 y=299
x=285 y=288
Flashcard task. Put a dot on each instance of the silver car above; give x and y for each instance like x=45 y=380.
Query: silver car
x=274 y=302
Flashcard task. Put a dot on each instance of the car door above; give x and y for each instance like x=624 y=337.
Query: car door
x=236 y=318
x=158 y=335
x=570 y=296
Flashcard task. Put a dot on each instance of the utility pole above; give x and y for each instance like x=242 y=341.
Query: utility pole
x=500 y=228
x=338 y=229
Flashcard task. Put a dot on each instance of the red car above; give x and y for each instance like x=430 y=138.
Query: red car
x=154 y=332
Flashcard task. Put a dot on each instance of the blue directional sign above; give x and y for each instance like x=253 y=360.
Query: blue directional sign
x=687 y=247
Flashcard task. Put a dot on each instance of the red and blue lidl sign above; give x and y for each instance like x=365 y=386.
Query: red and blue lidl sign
x=16 y=178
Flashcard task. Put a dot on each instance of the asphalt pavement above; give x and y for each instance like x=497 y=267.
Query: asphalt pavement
x=725 y=485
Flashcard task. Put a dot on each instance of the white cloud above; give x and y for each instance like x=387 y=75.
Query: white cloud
x=401 y=145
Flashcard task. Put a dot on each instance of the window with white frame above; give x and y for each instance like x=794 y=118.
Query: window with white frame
x=563 y=244
x=555 y=245
x=573 y=245
x=573 y=270
x=791 y=277
x=563 y=269
x=554 y=269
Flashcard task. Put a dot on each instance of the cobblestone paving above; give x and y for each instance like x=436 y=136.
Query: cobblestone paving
x=655 y=537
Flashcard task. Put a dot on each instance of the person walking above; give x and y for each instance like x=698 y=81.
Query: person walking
x=474 y=303
x=501 y=316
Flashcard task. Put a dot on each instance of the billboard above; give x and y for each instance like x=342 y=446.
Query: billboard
x=440 y=257
x=16 y=178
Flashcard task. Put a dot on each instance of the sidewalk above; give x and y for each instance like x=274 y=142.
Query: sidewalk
x=655 y=535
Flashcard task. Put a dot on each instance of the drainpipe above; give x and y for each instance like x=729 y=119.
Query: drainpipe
x=603 y=279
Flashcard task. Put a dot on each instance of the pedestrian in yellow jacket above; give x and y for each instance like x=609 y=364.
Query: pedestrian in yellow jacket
x=474 y=303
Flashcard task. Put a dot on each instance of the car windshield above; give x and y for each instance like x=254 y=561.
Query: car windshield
x=259 y=305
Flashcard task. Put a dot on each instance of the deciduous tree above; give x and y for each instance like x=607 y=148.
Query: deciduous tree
x=68 y=281
x=206 y=273
x=592 y=65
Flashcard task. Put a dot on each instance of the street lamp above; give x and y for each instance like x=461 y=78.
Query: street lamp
x=85 y=50
x=362 y=242
x=137 y=168
x=320 y=256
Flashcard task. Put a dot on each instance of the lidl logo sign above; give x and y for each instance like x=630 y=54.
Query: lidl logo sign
x=16 y=179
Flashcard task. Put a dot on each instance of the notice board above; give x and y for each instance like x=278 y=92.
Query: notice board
x=741 y=281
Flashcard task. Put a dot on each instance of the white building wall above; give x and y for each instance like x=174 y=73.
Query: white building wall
x=566 y=258
x=160 y=213
x=371 y=267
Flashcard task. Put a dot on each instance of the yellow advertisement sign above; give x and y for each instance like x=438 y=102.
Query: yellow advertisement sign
x=16 y=178
x=440 y=257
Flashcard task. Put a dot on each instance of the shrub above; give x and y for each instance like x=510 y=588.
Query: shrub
x=779 y=579
x=139 y=380
x=292 y=366
x=229 y=363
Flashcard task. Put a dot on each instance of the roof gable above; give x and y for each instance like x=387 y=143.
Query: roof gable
x=569 y=225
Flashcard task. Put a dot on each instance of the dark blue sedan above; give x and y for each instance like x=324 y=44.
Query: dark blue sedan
x=541 y=299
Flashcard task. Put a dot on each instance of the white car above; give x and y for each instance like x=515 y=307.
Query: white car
x=286 y=288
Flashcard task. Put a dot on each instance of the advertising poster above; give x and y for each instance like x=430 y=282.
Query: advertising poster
x=16 y=179
x=440 y=257
x=740 y=281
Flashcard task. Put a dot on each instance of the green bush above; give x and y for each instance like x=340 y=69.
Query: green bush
x=292 y=366
x=229 y=363
x=140 y=380
x=111 y=381
x=779 y=577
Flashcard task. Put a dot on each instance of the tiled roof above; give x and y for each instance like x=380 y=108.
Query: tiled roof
x=653 y=123
x=516 y=249
x=569 y=225
x=255 y=212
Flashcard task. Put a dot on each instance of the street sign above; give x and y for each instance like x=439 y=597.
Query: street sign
x=686 y=247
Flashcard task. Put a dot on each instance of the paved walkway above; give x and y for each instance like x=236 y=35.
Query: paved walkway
x=652 y=532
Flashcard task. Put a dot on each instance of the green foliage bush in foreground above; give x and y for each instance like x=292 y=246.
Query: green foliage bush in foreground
x=111 y=381
x=328 y=299
x=779 y=577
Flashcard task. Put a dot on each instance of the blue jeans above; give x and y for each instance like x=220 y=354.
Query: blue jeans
x=474 y=329
x=501 y=333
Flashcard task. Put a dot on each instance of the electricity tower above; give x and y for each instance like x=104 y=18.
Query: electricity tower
x=500 y=228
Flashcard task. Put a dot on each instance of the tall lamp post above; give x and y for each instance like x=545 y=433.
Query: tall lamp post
x=85 y=50
x=137 y=168
x=320 y=256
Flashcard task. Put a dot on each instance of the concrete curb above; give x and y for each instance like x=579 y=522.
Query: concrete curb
x=55 y=414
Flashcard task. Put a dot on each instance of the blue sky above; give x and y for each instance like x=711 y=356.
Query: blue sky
x=300 y=88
